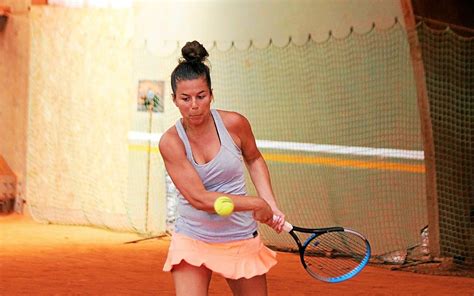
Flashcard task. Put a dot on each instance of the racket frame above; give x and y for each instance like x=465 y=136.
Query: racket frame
x=317 y=232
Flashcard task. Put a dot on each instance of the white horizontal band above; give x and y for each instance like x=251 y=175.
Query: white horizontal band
x=308 y=147
x=337 y=149
x=144 y=136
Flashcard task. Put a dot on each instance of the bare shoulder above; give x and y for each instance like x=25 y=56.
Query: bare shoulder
x=170 y=142
x=233 y=121
x=238 y=127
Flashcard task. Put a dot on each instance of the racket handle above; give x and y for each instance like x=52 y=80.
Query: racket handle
x=286 y=227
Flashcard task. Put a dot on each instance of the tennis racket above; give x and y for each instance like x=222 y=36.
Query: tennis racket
x=332 y=254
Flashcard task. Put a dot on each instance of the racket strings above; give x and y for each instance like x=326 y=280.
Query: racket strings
x=344 y=246
x=334 y=254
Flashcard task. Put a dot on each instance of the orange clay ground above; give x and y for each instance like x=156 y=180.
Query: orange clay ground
x=38 y=259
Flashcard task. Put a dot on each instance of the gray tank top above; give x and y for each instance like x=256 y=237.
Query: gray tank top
x=224 y=173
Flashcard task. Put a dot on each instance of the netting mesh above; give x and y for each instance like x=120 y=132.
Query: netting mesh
x=339 y=127
x=449 y=70
x=336 y=121
x=338 y=124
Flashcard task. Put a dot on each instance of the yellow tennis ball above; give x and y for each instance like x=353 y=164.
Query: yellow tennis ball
x=224 y=206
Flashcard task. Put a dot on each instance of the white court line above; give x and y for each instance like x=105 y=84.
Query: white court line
x=309 y=147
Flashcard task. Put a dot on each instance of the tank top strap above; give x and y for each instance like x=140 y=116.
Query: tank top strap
x=184 y=138
x=225 y=137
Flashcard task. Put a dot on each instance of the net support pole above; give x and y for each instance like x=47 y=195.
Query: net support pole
x=426 y=127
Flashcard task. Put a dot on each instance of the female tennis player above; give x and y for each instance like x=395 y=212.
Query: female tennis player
x=204 y=153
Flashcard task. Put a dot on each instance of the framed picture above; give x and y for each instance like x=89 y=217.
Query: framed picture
x=150 y=96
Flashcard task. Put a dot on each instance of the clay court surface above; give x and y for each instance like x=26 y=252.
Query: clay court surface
x=39 y=259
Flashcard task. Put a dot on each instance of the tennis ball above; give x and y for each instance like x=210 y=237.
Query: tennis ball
x=224 y=206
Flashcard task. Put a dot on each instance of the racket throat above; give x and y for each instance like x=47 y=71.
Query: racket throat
x=300 y=247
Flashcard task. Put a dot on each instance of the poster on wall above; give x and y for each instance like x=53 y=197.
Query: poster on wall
x=150 y=96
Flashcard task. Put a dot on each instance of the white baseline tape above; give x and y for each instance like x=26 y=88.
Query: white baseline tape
x=309 y=147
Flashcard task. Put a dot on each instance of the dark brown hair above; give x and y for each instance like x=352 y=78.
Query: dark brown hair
x=192 y=65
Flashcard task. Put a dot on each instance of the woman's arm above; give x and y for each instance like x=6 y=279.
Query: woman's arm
x=256 y=165
x=190 y=185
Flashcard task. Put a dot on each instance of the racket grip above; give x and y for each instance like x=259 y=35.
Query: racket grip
x=286 y=227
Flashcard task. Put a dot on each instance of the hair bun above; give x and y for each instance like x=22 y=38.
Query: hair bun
x=194 y=52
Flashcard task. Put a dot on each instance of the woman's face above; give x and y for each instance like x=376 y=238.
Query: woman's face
x=193 y=99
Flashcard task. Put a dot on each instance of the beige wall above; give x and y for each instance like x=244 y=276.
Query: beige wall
x=17 y=6
x=224 y=21
x=80 y=108
x=14 y=88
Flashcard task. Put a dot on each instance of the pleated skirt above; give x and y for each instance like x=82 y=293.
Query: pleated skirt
x=233 y=260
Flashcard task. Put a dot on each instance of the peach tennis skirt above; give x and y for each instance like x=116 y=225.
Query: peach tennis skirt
x=233 y=260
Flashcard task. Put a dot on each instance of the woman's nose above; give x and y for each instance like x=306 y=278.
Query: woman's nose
x=194 y=103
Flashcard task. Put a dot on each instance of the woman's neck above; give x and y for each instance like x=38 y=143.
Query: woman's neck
x=197 y=130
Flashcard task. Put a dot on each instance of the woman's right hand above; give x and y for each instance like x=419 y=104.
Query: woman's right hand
x=263 y=213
